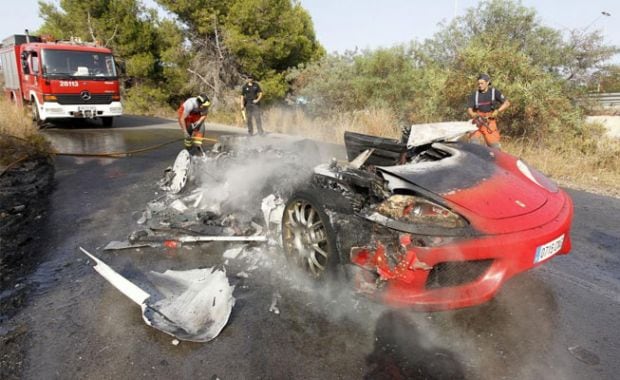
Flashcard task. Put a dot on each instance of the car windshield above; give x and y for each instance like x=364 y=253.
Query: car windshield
x=69 y=63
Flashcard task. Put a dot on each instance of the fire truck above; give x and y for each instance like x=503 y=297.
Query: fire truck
x=61 y=79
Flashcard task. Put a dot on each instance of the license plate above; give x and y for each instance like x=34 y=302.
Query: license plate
x=86 y=112
x=549 y=249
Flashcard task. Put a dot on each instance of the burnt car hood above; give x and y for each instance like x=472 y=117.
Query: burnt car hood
x=474 y=177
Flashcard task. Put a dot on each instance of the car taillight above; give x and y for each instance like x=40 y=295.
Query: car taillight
x=537 y=177
x=414 y=209
x=49 y=98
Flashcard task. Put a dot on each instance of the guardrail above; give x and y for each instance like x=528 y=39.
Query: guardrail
x=606 y=100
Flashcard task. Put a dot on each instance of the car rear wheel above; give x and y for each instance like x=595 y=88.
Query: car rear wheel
x=308 y=237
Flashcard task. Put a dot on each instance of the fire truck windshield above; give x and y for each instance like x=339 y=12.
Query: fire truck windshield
x=83 y=64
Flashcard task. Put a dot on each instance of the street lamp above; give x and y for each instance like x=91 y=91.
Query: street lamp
x=603 y=14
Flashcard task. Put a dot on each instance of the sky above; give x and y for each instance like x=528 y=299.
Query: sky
x=343 y=25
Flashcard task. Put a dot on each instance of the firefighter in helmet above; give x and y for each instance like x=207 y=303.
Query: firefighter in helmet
x=484 y=106
x=191 y=116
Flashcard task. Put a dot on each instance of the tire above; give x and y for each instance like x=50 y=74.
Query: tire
x=308 y=236
x=36 y=118
x=107 y=121
x=182 y=172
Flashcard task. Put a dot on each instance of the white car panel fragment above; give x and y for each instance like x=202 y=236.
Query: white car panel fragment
x=179 y=173
x=426 y=133
x=193 y=305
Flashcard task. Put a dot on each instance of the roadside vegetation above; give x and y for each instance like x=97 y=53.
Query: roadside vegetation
x=15 y=121
x=19 y=137
x=212 y=47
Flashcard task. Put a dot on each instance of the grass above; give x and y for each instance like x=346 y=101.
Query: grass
x=19 y=137
x=588 y=163
x=378 y=122
x=14 y=121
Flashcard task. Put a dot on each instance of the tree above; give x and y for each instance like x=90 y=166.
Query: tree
x=230 y=38
x=150 y=51
x=606 y=79
x=118 y=24
x=541 y=71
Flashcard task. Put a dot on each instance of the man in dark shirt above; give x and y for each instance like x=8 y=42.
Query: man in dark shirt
x=251 y=94
x=487 y=102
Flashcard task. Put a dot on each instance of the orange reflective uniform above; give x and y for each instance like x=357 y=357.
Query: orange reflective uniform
x=489 y=132
x=190 y=111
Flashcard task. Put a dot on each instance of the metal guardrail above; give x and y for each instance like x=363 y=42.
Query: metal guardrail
x=606 y=100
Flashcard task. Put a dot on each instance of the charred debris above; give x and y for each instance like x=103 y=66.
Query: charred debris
x=239 y=192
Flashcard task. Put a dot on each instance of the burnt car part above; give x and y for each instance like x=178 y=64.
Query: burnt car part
x=308 y=235
x=176 y=178
x=179 y=240
x=193 y=305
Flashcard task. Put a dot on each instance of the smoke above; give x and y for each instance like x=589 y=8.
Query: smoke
x=237 y=180
x=237 y=183
x=489 y=341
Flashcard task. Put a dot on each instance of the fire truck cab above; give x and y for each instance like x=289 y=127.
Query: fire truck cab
x=61 y=79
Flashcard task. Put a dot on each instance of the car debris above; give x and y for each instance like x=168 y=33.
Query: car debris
x=195 y=304
x=428 y=221
x=421 y=221
x=242 y=275
x=232 y=253
x=176 y=177
x=273 y=308
x=192 y=305
x=118 y=245
x=211 y=210
x=584 y=355
x=179 y=240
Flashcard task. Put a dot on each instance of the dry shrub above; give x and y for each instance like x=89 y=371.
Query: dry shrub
x=588 y=161
x=19 y=137
x=15 y=121
x=227 y=110
x=294 y=121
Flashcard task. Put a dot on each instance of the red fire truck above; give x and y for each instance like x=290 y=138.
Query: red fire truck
x=61 y=79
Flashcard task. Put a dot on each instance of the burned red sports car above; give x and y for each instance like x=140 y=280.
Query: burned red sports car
x=432 y=223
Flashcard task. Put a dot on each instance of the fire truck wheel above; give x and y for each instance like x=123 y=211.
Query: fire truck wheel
x=35 y=114
x=107 y=121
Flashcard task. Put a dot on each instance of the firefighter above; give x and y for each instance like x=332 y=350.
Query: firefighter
x=192 y=115
x=484 y=106
x=251 y=94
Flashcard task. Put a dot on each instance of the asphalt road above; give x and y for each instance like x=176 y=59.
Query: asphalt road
x=559 y=321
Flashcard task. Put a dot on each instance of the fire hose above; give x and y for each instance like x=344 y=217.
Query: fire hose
x=126 y=153
x=101 y=154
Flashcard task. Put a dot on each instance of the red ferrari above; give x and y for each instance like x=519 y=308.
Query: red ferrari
x=431 y=223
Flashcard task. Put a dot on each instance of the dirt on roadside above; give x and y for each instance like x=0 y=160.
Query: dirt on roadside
x=26 y=181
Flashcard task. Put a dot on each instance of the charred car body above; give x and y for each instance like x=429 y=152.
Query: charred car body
x=431 y=223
